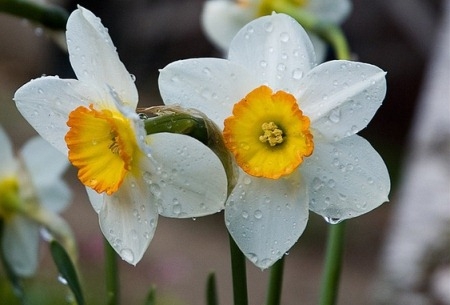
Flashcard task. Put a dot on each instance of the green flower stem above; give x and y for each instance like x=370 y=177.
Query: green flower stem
x=239 y=274
x=50 y=16
x=178 y=123
x=333 y=263
x=327 y=31
x=111 y=274
x=275 y=283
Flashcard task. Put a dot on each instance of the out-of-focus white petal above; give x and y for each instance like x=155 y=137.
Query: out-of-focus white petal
x=8 y=164
x=345 y=178
x=128 y=219
x=341 y=97
x=94 y=58
x=95 y=198
x=276 y=49
x=222 y=19
x=211 y=85
x=333 y=11
x=320 y=48
x=189 y=180
x=44 y=163
x=266 y=217
x=20 y=243
x=46 y=103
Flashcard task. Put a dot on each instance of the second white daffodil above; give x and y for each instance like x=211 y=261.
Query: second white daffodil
x=130 y=177
x=291 y=126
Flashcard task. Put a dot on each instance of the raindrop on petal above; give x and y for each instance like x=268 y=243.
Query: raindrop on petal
x=127 y=255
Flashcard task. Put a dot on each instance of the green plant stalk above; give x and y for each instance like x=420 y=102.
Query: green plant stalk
x=239 y=274
x=211 y=290
x=111 y=274
x=275 y=283
x=50 y=16
x=333 y=264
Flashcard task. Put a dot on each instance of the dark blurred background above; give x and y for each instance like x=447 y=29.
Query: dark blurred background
x=398 y=36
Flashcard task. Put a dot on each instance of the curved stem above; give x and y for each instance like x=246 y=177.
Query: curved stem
x=111 y=274
x=275 y=283
x=53 y=17
x=333 y=263
x=239 y=274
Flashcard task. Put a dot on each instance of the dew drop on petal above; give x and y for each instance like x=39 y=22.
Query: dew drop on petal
x=127 y=255
x=284 y=37
x=268 y=27
x=335 y=116
x=297 y=74
x=332 y=220
x=258 y=214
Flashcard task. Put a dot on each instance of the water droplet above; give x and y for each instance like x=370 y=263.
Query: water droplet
x=331 y=183
x=281 y=67
x=317 y=184
x=40 y=91
x=332 y=220
x=206 y=71
x=284 y=37
x=155 y=189
x=268 y=27
x=127 y=255
x=133 y=234
x=263 y=63
x=176 y=209
x=62 y=279
x=335 y=115
x=252 y=257
x=245 y=214
x=258 y=214
x=133 y=77
x=370 y=180
x=297 y=74
x=247 y=180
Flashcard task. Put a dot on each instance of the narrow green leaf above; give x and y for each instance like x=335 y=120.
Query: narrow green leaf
x=238 y=274
x=151 y=297
x=211 y=291
x=66 y=270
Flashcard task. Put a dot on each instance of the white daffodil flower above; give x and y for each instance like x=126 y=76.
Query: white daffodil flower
x=130 y=177
x=291 y=126
x=31 y=194
x=222 y=19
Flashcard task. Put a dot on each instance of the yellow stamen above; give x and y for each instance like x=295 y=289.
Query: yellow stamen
x=271 y=134
x=102 y=145
x=266 y=7
x=285 y=138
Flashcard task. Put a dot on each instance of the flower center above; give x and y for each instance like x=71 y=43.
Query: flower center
x=271 y=134
x=102 y=145
x=268 y=134
x=10 y=202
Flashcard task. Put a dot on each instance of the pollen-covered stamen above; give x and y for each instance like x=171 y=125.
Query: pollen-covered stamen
x=271 y=134
x=102 y=145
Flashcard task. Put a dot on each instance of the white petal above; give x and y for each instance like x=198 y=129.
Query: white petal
x=8 y=164
x=46 y=103
x=94 y=58
x=276 y=49
x=189 y=180
x=222 y=19
x=320 y=47
x=128 y=219
x=334 y=11
x=210 y=85
x=266 y=217
x=44 y=163
x=341 y=97
x=345 y=178
x=20 y=243
x=95 y=198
